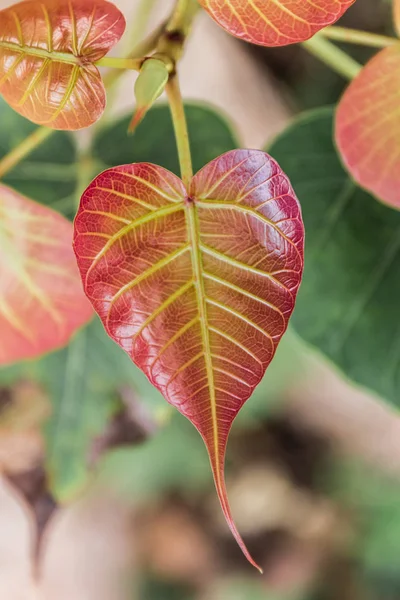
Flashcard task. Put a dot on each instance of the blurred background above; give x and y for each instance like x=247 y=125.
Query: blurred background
x=313 y=468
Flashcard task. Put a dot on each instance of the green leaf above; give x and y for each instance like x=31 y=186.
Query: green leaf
x=49 y=173
x=246 y=589
x=153 y=589
x=173 y=459
x=154 y=139
x=83 y=380
x=373 y=499
x=348 y=302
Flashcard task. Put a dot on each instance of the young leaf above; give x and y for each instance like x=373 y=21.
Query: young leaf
x=198 y=285
x=149 y=86
x=273 y=22
x=347 y=306
x=41 y=302
x=47 y=51
x=368 y=127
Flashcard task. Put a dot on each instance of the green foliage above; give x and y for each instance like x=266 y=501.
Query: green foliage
x=83 y=381
x=372 y=501
x=210 y=136
x=173 y=459
x=347 y=305
x=49 y=174
x=247 y=589
x=155 y=590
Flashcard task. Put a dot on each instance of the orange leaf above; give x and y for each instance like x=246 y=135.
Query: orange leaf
x=197 y=285
x=368 y=126
x=47 y=51
x=41 y=302
x=275 y=22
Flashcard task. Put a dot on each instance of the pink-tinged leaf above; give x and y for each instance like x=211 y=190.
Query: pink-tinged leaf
x=47 y=51
x=368 y=126
x=41 y=298
x=197 y=285
x=275 y=22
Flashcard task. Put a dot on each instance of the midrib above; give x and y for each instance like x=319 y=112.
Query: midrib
x=64 y=57
x=193 y=229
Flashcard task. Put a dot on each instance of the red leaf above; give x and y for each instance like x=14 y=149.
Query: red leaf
x=368 y=126
x=196 y=286
x=41 y=299
x=275 y=22
x=47 y=51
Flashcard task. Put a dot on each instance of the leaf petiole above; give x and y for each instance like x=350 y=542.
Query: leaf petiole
x=10 y=160
x=180 y=127
x=333 y=56
x=182 y=16
x=355 y=36
x=132 y=64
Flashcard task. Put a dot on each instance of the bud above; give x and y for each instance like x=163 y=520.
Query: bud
x=149 y=86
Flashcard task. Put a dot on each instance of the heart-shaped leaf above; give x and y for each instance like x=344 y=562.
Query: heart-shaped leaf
x=47 y=51
x=368 y=126
x=275 y=22
x=196 y=285
x=41 y=301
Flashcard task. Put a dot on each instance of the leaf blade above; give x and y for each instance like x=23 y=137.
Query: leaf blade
x=148 y=281
x=47 y=51
x=275 y=22
x=352 y=260
x=40 y=283
x=367 y=127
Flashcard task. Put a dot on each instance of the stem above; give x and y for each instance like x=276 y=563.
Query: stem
x=180 y=22
x=10 y=160
x=179 y=15
x=177 y=30
x=132 y=64
x=354 y=36
x=182 y=16
x=85 y=172
x=332 y=56
x=145 y=46
x=180 y=127
x=141 y=50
